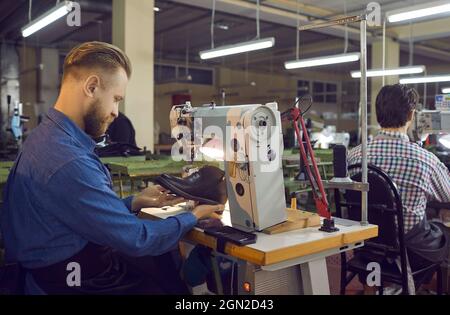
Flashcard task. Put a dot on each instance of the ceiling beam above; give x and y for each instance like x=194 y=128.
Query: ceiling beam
x=11 y=25
x=10 y=9
x=428 y=52
x=283 y=17
x=183 y=23
x=76 y=30
x=271 y=14
x=422 y=31
x=303 y=8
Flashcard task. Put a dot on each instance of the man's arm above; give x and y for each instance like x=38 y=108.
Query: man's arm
x=128 y=201
x=440 y=182
x=90 y=208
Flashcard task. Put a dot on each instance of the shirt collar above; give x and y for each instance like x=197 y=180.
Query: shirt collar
x=394 y=135
x=66 y=124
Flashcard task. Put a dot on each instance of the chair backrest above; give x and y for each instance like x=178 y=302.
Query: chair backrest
x=385 y=209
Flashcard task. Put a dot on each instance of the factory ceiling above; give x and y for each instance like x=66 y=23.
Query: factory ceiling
x=182 y=29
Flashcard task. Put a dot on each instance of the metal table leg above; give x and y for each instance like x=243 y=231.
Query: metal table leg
x=315 y=277
x=217 y=275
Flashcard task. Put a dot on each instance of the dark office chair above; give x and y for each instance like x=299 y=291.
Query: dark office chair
x=384 y=209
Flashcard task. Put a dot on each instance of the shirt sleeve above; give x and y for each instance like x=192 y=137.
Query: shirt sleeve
x=128 y=202
x=353 y=155
x=87 y=205
x=440 y=182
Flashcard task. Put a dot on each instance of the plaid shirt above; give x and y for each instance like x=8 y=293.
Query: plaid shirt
x=419 y=174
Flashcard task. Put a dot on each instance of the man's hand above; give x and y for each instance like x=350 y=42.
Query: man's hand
x=154 y=197
x=207 y=211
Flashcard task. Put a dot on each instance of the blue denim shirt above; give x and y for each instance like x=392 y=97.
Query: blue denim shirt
x=59 y=196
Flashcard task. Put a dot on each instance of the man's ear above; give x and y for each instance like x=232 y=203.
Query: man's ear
x=91 y=85
x=411 y=115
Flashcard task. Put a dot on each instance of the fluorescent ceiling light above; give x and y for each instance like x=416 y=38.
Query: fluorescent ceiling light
x=415 y=12
x=429 y=79
x=391 y=71
x=446 y=90
x=320 y=61
x=156 y=9
x=238 y=48
x=47 y=18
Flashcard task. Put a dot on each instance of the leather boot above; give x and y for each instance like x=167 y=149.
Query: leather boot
x=207 y=186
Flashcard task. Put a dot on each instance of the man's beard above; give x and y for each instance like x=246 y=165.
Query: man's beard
x=95 y=124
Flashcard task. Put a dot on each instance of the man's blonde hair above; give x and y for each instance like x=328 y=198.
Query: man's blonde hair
x=99 y=55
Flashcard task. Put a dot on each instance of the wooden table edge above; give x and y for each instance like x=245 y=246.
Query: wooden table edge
x=261 y=258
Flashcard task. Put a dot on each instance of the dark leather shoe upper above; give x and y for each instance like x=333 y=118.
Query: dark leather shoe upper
x=207 y=186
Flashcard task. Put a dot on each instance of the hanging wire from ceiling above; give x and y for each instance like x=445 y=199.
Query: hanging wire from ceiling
x=188 y=35
x=297 y=44
x=384 y=51
x=246 y=67
x=212 y=22
x=271 y=69
x=346 y=28
x=257 y=20
x=411 y=44
x=30 y=4
x=411 y=57
x=99 y=29
x=160 y=56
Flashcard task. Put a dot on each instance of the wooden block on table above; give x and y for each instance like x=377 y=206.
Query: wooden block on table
x=297 y=219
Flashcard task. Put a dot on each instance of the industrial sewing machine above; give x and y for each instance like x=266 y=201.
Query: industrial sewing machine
x=430 y=122
x=248 y=138
x=15 y=125
x=436 y=123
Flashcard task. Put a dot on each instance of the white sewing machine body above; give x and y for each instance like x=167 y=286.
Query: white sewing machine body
x=250 y=138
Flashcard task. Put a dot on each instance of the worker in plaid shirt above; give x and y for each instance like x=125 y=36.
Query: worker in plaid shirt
x=418 y=174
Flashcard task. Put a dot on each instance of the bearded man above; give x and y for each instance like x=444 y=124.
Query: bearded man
x=62 y=221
